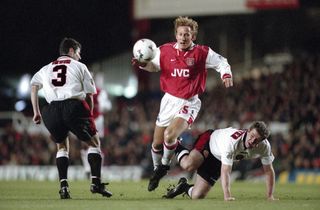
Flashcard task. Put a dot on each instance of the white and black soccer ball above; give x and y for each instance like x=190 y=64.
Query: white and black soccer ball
x=144 y=50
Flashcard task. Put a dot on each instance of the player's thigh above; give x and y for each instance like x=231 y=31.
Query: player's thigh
x=53 y=122
x=201 y=188
x=192 y=161
x=94 y=141
x=84 y=129
x=210 y=169
x=78 y=118
x=176 y=128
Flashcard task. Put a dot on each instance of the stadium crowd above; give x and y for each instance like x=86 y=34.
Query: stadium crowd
x=291 y=96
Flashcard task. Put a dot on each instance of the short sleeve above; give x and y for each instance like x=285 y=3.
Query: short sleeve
x=37 y=80
x=266 y=154
x=88 y=82
x=227 y=155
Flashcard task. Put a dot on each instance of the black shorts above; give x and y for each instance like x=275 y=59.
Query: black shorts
x=210 y=169
x=73 y=115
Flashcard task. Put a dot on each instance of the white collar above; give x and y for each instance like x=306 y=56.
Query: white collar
x=175 y=46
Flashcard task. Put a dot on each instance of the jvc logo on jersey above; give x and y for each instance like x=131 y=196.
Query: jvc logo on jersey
x=180 y=73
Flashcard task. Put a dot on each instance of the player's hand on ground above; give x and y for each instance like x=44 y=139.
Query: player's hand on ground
x=136 y=63
x=271 y=198
x=37 y=118
x=230 y=199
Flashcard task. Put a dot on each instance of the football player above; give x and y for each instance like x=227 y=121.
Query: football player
x=213 y=155
x=68 y=88
x=183 y=65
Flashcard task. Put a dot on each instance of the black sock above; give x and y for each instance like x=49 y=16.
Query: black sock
x=62 y=165
x=94 y=160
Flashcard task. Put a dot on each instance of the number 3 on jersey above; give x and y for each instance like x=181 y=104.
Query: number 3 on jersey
x=61 y=75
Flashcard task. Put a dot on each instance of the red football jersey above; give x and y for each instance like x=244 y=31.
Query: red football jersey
x=183 y=73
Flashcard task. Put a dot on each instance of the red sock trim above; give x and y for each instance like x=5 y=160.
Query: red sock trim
x=171 y=147
x=156 y=150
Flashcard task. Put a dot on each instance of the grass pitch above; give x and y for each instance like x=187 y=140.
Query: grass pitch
x=33 y=195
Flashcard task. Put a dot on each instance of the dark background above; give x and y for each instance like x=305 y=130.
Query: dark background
x=31 y=30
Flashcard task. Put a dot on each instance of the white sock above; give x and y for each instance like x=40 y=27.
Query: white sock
x=190 y=192
x=168 y=152
x=156 y=157
x=62 y=153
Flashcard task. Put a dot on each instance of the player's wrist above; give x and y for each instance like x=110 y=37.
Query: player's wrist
x=225 y=76
x=136 y=63
x=142 y=64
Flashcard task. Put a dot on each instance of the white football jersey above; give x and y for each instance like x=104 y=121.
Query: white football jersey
x=63 y=79
x=227 y=145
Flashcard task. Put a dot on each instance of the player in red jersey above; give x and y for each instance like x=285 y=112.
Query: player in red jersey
x=183 y=65
x=68 y=88
x=102 y=104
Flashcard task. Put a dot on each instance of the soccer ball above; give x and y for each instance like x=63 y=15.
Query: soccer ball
x=144 y=50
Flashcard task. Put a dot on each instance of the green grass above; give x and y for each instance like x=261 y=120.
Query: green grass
x=32 y=195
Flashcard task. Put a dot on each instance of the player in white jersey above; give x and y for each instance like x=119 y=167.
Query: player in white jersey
x=213 y=155
x=183 y=66
x=68 y=88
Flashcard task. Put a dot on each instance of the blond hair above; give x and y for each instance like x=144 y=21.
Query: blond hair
x=186 y=21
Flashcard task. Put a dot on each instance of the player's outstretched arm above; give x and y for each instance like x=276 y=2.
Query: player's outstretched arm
x=225 y=182
x=270 y=181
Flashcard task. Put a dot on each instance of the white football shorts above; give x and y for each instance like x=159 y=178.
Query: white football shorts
x=172 y=107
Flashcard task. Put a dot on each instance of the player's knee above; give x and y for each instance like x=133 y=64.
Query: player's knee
x=169 y=135
x=62 y=147
x=198 y=195
x=94 y=141
x=157 y=147
x=188 y=166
